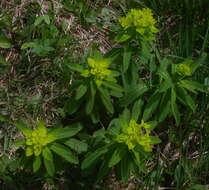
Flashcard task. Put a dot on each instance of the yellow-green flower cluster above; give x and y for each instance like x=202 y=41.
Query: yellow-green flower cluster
x=37 y=140
x=184 y=69
x=98 y=68
x=136 y=134
x=142 y=20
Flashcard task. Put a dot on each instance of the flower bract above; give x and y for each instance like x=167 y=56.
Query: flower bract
x=143 y=22
x=136 y=134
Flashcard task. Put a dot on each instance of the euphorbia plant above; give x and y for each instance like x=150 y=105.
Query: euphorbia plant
x=174 y=86
x=40 y=143
x=127 y=144
x=97 y=83
x=136 y=32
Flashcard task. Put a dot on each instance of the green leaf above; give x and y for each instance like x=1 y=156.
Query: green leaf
x=133 y=93
x=122 y=38
x=164 y=64
x=64 y=152
x=165 y=86
x=174 y=107
x=21 y=126
x=125 y=117
x=29 y=45
x=72 y=106
x=66 y=132
x=36 y=163
x=46 y=19
x=151 y=106
x=100 y=133
x=38 y=20
x=145 y=52
x=113 y=54
x=47 y=154
x=152 y=124
x=152 y=63
x=154 y=140
x=165 y=107
x=126 y=58
x=192 y=86
x=80 y=92
x=113 y=86
x=95 y=117
x=114 y=127
x=75 y=67
x=90 y=101
x=106 y=100
x=103 y=169
x=5 y=43
x=77 y=145
x=136 y=157
x=114 y=73
x=49 y=165
x=117 y=155
x=133 y=78
x=125 y=167
x=178 y=174
x=19 y=143
x=137 y=109
x=165 y=75
x=116 y=94
x=185 y=98
x=92 y=157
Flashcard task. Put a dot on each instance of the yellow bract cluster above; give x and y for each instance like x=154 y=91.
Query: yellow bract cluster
x=136 y=134
x=98 y=69
x=184 y=69
x=142 y=20
x=37 y=140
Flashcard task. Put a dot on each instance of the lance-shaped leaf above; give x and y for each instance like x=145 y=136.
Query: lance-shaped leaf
x=185 y=98
x=47 y=154
x=21 y=126
x=49 y=165
x=164 y=108
x=106 y=100
x=193 y=86
x=75 y=67
x=66 y=132
x=113 y=86
x=133 y=93
x=174 y=107
x=117 y=155
x=91 y=98
x=64 y=152
x=126 y=58
x=151 y=105
x=80 y=92
x=137 y=109
x=93 y=157
x=36 y=163
x=76 y=145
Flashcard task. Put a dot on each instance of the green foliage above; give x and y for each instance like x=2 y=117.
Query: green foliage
x=5 y=43
x=150 y=84
x=41 y=143
x=174 y=84
x=127 y=145
x=99 y=81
